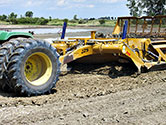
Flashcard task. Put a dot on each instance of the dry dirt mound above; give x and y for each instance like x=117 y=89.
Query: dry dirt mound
x=93 y=94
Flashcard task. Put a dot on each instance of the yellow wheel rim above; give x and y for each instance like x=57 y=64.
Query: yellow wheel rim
x=38 y=69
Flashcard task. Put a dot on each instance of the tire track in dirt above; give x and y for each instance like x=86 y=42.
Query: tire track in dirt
x=93 y=97
x=142 y=105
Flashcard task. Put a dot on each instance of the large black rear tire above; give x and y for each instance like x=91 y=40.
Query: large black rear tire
x=5 y=50
x=33 y=68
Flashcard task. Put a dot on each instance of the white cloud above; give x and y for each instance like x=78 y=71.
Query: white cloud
x=73 y=4
x=31 y=3
x=61 y=2
x=84 y=6
x=79 y=1
x=110 y=1
x=90 y=6
x=5 y=2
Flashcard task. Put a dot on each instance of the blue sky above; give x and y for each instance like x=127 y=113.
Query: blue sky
x=66 y=8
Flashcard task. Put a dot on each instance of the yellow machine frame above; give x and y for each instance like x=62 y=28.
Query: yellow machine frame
x=144 y=52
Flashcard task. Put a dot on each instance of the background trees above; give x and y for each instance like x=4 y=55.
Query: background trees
x=102 y=21
x=29 y=14
x=147 y=7
x=75 y=17
x=28 y=18
x=3 y=17
x=12 y=18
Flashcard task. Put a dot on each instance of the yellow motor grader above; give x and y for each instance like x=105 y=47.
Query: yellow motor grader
x=32 y=67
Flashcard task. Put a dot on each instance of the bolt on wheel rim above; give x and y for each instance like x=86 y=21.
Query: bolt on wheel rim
x=38 y=69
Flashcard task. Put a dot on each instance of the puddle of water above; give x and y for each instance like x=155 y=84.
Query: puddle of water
x=51 y=30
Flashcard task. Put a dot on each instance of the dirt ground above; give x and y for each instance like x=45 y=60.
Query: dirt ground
x=103 y=94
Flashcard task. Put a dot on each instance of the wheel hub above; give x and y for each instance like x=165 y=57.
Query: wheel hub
x=38 y=69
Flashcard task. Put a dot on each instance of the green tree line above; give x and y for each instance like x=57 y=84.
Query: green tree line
x=27 y=19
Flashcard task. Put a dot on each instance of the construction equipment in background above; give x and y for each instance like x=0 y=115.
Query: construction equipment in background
x=31 y=67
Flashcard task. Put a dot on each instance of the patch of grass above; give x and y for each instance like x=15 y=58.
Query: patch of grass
x=80 y=22
x=4 y=23
x=58 y=22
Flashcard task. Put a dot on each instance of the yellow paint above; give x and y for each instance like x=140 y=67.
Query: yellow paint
x=117 y=28
x=38 y=69
x=133 y=56
x=162 y=55
x=93 y=34
x=142 y=51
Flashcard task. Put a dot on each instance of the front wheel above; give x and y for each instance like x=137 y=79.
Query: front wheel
x=33 y=68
